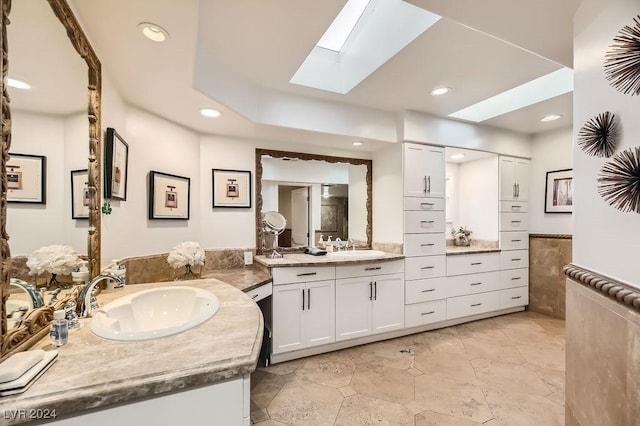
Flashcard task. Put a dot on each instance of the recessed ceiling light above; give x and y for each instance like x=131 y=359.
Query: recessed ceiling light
x=211 y=113
x=358 y=143
x=17 y=84
x=550 y=117
x=153 y=32
x=440 y=91
x=457 y=156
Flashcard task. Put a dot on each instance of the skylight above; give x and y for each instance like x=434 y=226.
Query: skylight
x=540 y=89
x=336 y=35
x=372 y=32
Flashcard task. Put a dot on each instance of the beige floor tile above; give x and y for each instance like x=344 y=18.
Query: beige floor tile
x=362 y=410
x=430 y=418
x=508 y=377
x=447 y=396
x=548 y=356
x=487 y=328
x=437 y=341
x=557 y=397
x=327 y=370
x=414 y=372
x=521 y=321
x=444 y=364
x=384 y=383
x=305 y=403
x=269 y=423
x=529 y=337
x=493 y=348
x=260 y=415
x=393 y=353
x=347 y=391
x=554 y=379
x=284 y=367
x=264 y=387
x=513 y=408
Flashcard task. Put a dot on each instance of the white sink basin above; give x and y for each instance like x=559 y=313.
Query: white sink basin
x=154 y=313
x=358 y=253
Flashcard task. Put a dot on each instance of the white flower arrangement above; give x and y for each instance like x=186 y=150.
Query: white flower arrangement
x=186 y=253
x=55 y=259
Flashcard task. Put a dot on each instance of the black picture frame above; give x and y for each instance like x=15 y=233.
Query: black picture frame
x=26 y=178
x=169 y=196
x=231 y=188
x=558 y=191
x=116 y=166
x=80 y=199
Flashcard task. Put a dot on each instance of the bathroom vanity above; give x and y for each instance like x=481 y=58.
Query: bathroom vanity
x=200 y=376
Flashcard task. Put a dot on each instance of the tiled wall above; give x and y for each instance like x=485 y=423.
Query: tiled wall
x=603 y=360
x=548 y=254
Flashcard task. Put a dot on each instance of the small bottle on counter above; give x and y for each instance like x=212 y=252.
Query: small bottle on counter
x=59 y=328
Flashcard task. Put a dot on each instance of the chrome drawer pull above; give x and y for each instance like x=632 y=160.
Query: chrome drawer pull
x=255 y=296
x=516 y=221
x=428 y=313
x=307 y=274
x=476 y=263
x=426 y=204
x=475 y=283
x=515 y=260
x=516 y=207
x=427 y=245
x=515 y=241
x=515 y=278
x=373 y=268
x=476 y=304
x=303 y=299
x=516 y=297
x=428 y=290
x=427 y=221
x=427 y=267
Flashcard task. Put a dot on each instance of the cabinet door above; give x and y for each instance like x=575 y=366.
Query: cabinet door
x=288 y=329
x=521 y=170
x=507 y=179
x=319 y=321
x=388 y=303
x=353 y=307
x=424 y=174
x=435 y=169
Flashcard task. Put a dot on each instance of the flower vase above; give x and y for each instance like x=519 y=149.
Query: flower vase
x=462 y=241
x=188 y=275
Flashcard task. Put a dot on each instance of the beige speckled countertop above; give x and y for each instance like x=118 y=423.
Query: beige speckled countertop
x=301 y=259
x=244 y=279
x=455 y=250
x=91 y=372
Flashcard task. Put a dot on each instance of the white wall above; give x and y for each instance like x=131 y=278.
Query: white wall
x=478 y=198
x=388 y=216
x=551 y=151
x=605 y=240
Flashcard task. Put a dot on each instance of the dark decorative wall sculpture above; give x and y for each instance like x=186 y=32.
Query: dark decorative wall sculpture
x=619 y=181
x=622 y=60
x=599 y=135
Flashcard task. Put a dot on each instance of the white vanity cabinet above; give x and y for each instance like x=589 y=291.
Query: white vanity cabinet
x=303 y=311
x=514 y=179
x=368 y=300
x=424 y=171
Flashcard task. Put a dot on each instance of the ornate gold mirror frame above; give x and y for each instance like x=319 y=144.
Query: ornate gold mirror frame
x=307 y=157
x=35 y=325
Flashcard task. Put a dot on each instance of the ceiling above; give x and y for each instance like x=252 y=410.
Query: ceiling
x=238 y=57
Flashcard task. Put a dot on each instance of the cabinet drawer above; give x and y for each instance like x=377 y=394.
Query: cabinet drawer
x=425 y=313
x=416 y=268
x=514 y=278
x=261 y=292
x=472 y=263
x=435 y=204
x=424 y=244
x=463 y=306
x=369 y=269
x=514 y=240
x=297 y=274
x=473 y=283
x=419 y=221
x=514 y=221
x=514 y=206
x=513 y=297
x=514 y=259
x=417 y=291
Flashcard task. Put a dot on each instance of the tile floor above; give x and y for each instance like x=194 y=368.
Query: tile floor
x=506 y=370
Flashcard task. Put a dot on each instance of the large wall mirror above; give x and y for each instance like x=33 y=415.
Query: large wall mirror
x=318 y=196
x=50 y=128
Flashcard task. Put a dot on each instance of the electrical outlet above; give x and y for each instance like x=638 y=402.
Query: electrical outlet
x=248 y=258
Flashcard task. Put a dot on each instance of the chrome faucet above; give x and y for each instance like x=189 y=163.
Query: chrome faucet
x=88 y=301
x=36 y=298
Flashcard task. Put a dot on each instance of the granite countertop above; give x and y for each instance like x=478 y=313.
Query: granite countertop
x=301 y=259
x=91 y=372
x=244 y=279
x=456 y=250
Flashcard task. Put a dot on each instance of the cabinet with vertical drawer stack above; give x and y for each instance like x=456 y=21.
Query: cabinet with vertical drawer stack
x=424 y=234
x=514 y=232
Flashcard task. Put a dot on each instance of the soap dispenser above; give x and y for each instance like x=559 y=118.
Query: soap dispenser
x=80 y=274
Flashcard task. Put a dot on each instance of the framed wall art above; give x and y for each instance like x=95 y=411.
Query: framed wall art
x=27 y=179
x=169 y=196
x=80 y=194
x=116 y=166
x=558 y=193
x=231 y=188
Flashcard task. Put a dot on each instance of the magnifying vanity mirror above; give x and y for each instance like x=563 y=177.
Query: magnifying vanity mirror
x=273 y=223
x=56 y=122
x=318 y=196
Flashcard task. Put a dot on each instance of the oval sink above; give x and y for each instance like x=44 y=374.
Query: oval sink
x=357 y=253
x=154 y=313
